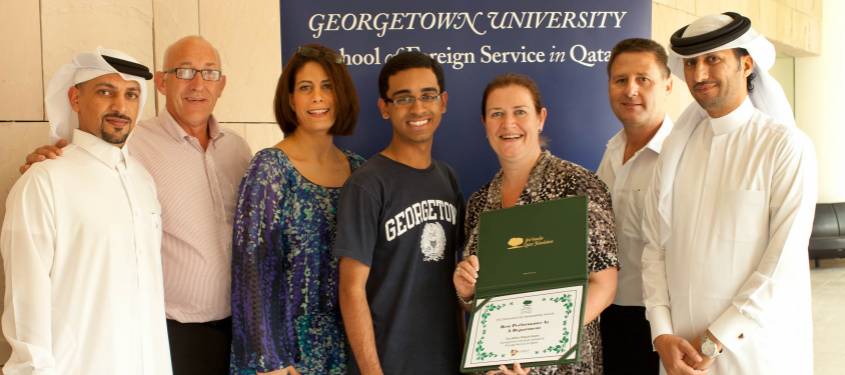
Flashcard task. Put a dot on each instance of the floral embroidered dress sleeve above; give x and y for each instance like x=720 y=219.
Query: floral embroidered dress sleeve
x=284 y=279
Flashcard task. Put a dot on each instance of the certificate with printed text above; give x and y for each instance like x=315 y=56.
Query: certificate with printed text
x=531 y=286
x=541 y=326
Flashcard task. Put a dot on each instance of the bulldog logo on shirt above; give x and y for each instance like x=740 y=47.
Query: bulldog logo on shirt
x=433 y=242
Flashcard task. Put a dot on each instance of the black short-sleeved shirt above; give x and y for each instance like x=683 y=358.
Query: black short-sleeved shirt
x=406 y=224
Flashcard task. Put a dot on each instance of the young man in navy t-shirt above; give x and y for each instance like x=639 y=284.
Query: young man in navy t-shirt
x=400 y=224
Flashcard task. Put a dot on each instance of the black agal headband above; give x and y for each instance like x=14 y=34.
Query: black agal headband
x=710 y=40
x=129 y=67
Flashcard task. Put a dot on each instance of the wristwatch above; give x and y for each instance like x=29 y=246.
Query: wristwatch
x=709 y=347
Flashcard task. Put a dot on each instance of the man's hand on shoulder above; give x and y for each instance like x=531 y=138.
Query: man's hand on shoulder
x=43 y=153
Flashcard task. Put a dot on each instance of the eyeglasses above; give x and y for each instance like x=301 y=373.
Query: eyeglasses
x=406 y=100
x=189 y=73
x=316 y=54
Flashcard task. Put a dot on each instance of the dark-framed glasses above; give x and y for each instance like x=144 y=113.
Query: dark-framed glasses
x=189 y=73
x=406 y=100
x=316 y=54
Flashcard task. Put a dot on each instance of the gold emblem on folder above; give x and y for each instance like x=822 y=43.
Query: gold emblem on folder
x=520 y=243
x=516 y=241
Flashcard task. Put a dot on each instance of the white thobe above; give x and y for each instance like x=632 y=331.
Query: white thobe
x=727 y=227
x=628 y=183
x=81 y=251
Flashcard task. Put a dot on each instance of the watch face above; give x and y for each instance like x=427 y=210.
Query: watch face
x=708 y=347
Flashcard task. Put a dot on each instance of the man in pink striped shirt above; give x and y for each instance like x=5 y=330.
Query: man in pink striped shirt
x=197 y=166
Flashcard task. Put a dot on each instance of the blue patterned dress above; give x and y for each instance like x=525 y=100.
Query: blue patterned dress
x=285 y=308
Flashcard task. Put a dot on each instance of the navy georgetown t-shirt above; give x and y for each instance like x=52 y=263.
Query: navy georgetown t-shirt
x=406 y=224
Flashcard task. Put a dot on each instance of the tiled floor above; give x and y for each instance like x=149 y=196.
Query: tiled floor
x=829 y=316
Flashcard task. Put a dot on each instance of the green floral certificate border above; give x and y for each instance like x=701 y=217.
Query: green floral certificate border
x=568 y=300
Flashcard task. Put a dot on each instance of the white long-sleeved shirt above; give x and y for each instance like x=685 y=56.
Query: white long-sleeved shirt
x=628 y=183
x=81 y=251
x=727 y=226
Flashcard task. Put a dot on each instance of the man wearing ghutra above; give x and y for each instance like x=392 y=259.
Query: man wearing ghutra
x=725 y=273
x=81 y=240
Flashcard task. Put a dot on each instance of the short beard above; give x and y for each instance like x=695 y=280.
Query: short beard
x=710 y=103
x=116 y=139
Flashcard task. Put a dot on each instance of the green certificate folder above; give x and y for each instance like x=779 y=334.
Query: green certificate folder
x=532 y=283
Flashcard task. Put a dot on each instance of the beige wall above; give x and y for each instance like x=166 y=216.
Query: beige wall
x=784 y=72
x=793 y=25
x=42 y=35
x=818 y=99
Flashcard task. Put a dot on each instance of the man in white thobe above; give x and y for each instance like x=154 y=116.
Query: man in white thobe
x=638 y=84
x=725 y=271
x=82 y=235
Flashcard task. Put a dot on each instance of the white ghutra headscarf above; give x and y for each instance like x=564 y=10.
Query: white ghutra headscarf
x=727 y=31
x=84 y=67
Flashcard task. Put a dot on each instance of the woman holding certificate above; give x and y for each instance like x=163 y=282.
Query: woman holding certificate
x=514 y=117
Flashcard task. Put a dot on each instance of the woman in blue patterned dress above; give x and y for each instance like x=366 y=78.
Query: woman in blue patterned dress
x=285 y=315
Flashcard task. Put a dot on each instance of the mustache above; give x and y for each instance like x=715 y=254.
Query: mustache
x=116 y=114
x=702 y=83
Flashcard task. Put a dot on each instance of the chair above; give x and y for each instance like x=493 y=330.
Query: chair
x=828 y=237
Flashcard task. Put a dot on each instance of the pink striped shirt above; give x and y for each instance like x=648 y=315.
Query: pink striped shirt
x=197 y=190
